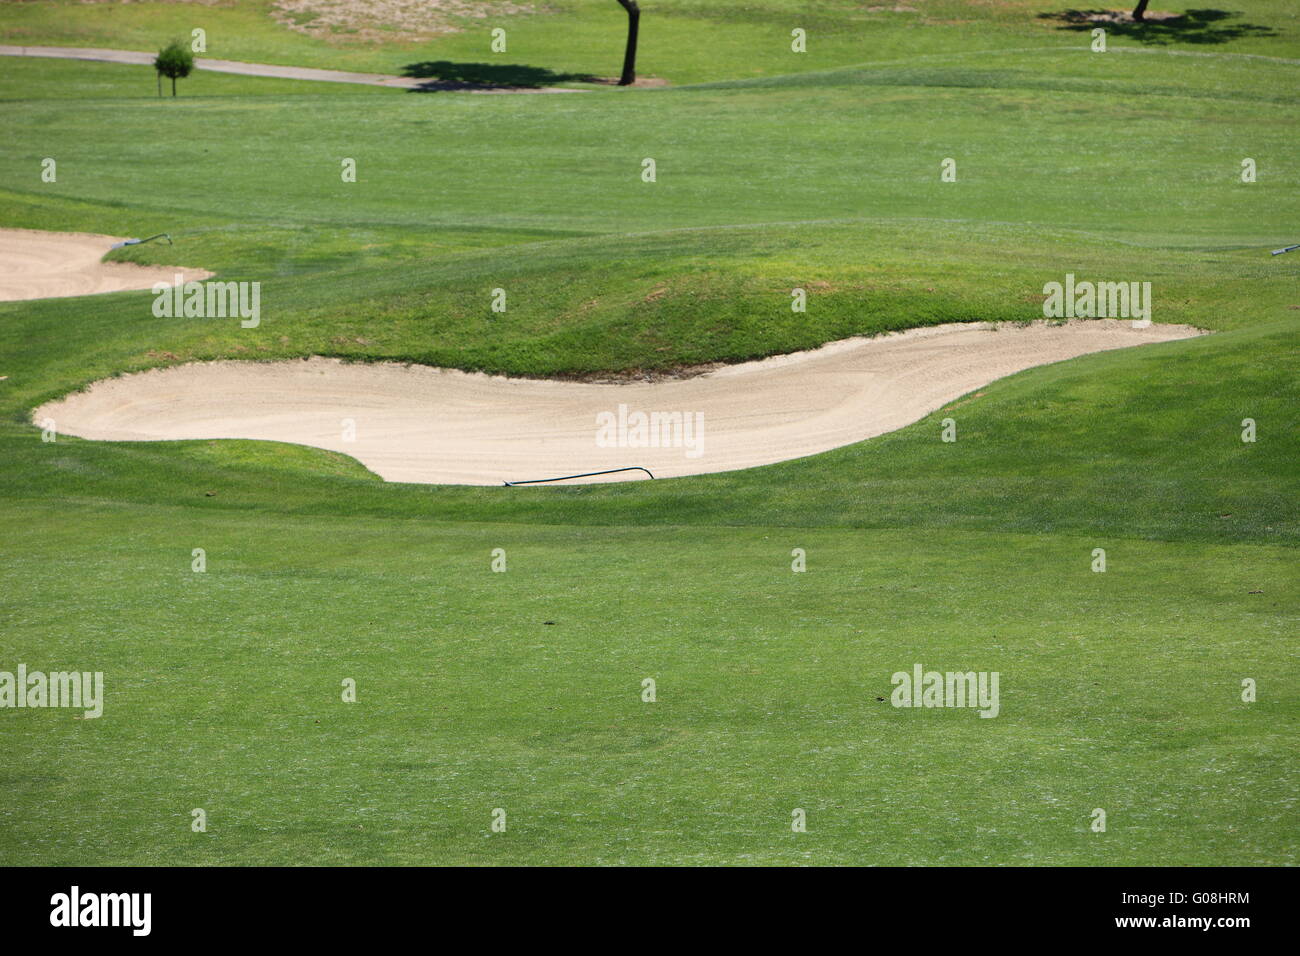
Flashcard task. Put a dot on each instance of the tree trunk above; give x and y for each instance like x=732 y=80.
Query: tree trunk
x=1140 y=11
x=160 y=85
x=629 y=56
x=173 y=86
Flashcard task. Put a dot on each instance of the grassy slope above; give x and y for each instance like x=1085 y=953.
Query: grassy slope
x=683 y=41
x=756 y=195
x=1119 y=690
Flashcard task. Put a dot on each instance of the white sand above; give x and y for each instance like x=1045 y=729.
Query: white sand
x=432 y=425
x=46 y=265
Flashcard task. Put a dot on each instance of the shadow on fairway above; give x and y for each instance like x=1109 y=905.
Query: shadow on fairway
x=1194 y=26
x=445 y=75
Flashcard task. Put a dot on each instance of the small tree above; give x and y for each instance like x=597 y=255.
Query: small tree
x=174 y=61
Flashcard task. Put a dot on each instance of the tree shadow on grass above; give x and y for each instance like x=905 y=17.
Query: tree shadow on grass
x=446 y=75
x=1193 y=26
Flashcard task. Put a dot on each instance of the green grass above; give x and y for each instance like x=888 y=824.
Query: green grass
x=1089 y=151
x=1120 y=690
x=682 y=41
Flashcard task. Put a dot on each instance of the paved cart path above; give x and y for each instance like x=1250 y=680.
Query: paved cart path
x=136 y=58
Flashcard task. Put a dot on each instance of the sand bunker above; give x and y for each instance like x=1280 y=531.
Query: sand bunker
x=46 y=265
x=419 y=424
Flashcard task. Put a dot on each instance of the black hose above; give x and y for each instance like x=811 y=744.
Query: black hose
x=587 y=474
